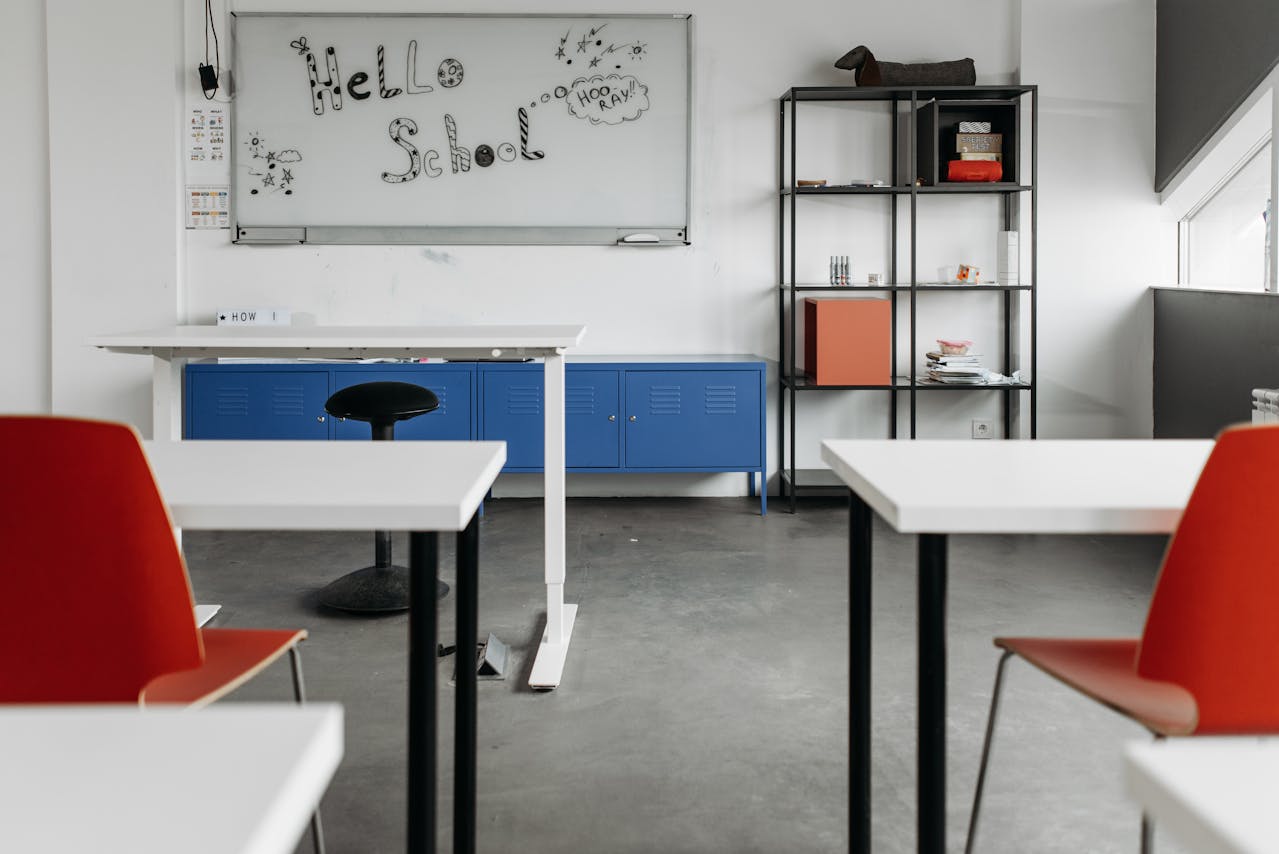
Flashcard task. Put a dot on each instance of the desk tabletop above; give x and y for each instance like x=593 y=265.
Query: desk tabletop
x=459 y=341
x=324 y=486
x=1216 y=794
x=1122 y=486
x=234 y=778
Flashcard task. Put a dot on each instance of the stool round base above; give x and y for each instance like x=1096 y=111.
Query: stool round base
x=372 y=590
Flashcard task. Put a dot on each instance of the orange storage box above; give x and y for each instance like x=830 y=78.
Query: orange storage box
x=848 y=341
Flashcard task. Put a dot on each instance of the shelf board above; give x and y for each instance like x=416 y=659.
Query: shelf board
x=944 y=286
x=903 y=93
x=922 y=286
x=846 y=289
x=946 y=188
x=895 y=189
x=964 y=187
x=813 y=479
x=928 y=385
x=803 y=383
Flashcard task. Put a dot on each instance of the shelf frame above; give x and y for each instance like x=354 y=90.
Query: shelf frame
x=903 y=188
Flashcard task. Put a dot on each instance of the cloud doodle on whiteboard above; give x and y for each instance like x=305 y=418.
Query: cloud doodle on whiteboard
x=268 y=166
x=607 y=100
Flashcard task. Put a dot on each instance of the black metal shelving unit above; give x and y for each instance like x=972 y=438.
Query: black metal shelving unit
x=1008 y=104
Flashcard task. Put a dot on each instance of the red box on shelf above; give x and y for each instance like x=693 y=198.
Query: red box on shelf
x=848 y=341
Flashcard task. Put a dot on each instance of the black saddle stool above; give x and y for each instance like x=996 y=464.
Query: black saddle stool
x=382 y=586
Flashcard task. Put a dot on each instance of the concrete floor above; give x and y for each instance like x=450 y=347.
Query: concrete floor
x=704 y=701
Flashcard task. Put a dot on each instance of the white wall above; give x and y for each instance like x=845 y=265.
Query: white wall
x=113 y=194
x=24 y=218
x=133 y=266
x=1102 y=237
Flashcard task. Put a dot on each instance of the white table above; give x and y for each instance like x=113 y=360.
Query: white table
x=421 y=487
x=233 y=778
x=936 y=488
x=1217 y=794
x=172 y=346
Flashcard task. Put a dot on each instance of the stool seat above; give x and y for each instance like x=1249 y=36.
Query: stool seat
x=379 y=402
x=384 y=586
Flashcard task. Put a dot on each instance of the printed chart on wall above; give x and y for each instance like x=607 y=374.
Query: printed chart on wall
x=461 y=128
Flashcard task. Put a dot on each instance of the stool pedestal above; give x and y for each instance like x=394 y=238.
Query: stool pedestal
x=384 y=586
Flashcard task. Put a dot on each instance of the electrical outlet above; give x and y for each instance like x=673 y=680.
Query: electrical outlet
x=983 y=429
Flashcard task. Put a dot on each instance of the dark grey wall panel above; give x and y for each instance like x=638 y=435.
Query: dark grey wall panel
x=1209 y=56
x=1212 y=348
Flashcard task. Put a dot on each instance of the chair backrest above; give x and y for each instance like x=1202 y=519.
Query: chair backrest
x=1213 y=625
x=94 y=596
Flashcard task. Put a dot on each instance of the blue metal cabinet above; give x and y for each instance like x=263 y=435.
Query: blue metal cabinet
x=452 y=383
x=699 y=420
x=512 y=411
x=251 y=402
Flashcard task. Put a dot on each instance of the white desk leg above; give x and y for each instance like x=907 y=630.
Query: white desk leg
x=166 y=423
x=166 y=397
x=548 y=665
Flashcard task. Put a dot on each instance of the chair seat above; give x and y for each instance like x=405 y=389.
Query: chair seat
x=231 y=658
x=381 y=402
x=1106 y=670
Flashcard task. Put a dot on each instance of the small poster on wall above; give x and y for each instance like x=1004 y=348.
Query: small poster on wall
x=208 y=206
x=206 y=136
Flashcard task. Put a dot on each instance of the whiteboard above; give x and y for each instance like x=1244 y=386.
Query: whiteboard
x=460 y=128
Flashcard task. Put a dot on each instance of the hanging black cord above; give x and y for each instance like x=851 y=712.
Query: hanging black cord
x=209 y=94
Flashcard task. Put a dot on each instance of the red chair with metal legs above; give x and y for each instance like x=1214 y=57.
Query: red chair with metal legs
x=95 y=602
x=1206 y=661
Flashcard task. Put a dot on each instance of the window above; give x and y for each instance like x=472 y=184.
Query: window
x=1226 y=234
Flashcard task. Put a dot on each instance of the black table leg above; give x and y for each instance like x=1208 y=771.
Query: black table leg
x=424 y=556
x=468 y=567
x=859 y=567
x=931 y=762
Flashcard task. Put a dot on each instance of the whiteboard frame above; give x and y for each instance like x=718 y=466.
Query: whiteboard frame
x=375 y=235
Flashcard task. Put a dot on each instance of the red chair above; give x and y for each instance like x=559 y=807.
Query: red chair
x=1206 y=662
x=95 y=602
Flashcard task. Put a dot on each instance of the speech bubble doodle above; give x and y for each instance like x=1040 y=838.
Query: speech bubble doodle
x=607 y=100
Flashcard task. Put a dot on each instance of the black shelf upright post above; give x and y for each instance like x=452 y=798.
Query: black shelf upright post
x=794 y=125
x=912 y=166
x=783 y=383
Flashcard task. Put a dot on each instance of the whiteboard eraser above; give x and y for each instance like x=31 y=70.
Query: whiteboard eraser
x=640 y=238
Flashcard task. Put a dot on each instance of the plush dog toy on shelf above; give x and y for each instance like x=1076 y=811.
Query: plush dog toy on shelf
x=868 y=71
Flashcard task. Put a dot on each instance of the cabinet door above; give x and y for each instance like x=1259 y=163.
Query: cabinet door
x=231 y=404
x=450 y=383
x=513 y=413
x=694 y=419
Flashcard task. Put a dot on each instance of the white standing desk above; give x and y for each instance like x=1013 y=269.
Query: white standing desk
x=1217 y=794
x=421 y=487
x=936 y=488
x=171 y=347
x=233 y=778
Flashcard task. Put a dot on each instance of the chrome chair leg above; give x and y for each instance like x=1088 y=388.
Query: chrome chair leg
x=985 y=751
x=299 y=694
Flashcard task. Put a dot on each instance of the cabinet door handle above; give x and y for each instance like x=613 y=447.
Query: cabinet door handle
x=632 y=418
x=319 y=418
x=612 y=418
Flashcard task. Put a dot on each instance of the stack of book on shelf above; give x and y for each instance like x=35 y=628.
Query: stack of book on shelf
x=955 y=370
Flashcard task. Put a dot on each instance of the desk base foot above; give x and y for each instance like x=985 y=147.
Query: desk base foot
x=204 y=613
x=548 y=665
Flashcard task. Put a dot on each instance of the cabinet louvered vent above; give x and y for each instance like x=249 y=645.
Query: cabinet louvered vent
x=288 y=401
x=663 y=400
x=232 y=401
x=441 y=394
x=579 y=400
x=721 y=400
x=524 y=400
